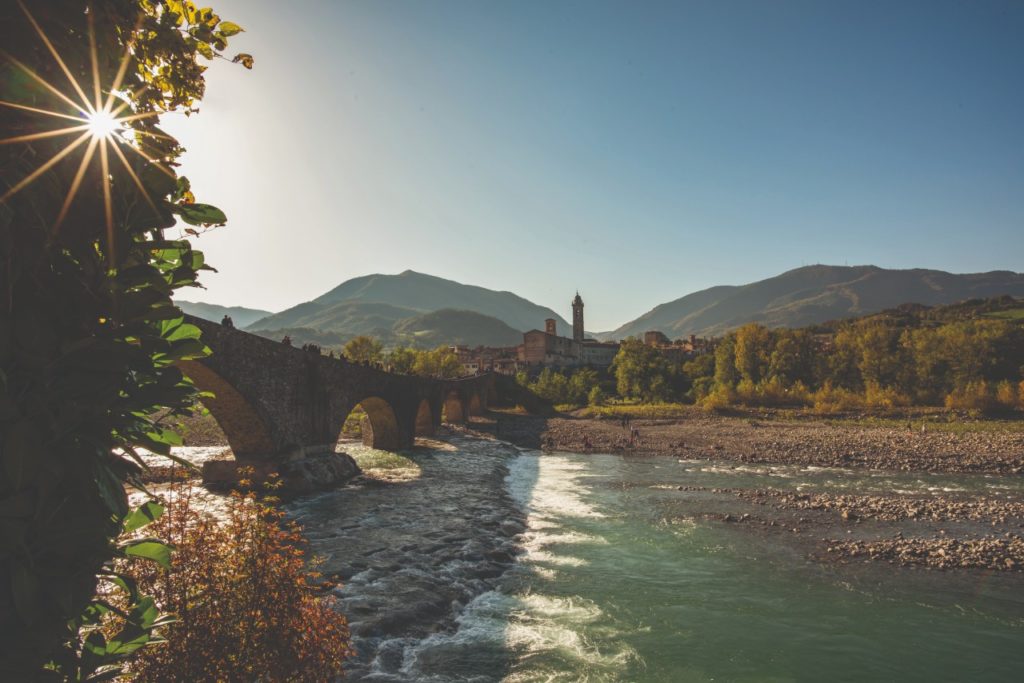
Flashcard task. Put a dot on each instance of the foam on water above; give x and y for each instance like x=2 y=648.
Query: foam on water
x=526 y=628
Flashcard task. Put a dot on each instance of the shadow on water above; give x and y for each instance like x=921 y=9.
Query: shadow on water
x=420 y=558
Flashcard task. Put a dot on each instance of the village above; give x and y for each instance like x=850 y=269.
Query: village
x=547 y=349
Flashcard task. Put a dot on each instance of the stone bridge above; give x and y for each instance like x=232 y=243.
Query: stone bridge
x=277 y=403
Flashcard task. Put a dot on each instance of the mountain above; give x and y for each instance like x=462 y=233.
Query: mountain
x=414 y=293
x=347 y=318
x=421 y=331
x=242 y=317
x=815 y=294
x=450 y=326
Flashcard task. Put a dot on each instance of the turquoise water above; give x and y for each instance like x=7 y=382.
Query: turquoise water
x=496 y=564
x=618 y=583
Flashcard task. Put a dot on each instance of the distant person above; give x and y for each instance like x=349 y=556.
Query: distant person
x=226 y=321
x=287 y=341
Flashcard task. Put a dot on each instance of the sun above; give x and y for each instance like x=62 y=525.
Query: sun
x=102 y=124
x=100 y=128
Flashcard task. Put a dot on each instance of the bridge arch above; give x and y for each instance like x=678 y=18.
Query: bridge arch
x=379 y=425
x=424 y=419
x=247 y=433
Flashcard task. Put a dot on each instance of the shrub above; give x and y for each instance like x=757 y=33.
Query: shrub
x=702 y=386
x=831 y=399
x=721 y=397
x=1006 y=396
x=877 y=396
x=242 y=596
x=771 y=392
x=641 y=411
x=974 y=396
x=596 y=397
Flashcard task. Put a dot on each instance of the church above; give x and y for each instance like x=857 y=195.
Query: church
x=546 y=349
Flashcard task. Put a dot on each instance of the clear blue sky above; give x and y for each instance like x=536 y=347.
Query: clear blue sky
x=636 y=151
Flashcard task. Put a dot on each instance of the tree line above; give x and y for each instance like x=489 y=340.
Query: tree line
x=439 y=362
x=926 y=357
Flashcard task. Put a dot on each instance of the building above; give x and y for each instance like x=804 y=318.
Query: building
x=503 y=360
x=544 y=348
x=680 y=349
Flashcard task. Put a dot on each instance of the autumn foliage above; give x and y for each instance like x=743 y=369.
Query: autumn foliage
x=243 y=596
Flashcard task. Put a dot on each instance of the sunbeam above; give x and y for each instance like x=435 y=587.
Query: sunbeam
x=101 y=122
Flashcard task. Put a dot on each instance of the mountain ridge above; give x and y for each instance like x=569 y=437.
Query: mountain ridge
x=379 y=305
x=815 y=294
x=240 y=315
x=417 y=293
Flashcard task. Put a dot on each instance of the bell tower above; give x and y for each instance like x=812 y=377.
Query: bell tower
x=577 y=318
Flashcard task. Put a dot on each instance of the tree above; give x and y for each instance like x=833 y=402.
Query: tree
x=881 y=361
x=791 y=358
x=363 y=349
x=753 y=348
x=726 y=375
x=441 y=362
x=580 y=384
x=552 y=385
x=641 y=372
x=402 y=360
x=89 y=334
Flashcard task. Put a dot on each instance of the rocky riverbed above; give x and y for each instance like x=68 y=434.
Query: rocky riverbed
x=818 y=442
x=935 y=530
x=412 y=542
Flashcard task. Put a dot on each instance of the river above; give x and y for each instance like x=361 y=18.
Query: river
x=488 y=562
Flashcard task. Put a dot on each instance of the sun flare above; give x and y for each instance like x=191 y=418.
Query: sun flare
x=102 y=124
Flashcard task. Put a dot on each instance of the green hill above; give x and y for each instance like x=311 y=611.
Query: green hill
x=365 y=304
x=450 y=326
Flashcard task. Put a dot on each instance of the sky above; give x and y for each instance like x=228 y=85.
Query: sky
x=634 y=151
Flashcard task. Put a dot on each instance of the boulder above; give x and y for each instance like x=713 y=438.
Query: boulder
x=305 y=475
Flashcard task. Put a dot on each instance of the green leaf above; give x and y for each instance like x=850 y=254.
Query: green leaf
x=96 y=645
x=228 y=29
x=183 y=186
x=200 y=214
x=146 y=513
x=183 y=331
x=245 y=59
x=125 y=583
x=187 y=350
x=150 y=550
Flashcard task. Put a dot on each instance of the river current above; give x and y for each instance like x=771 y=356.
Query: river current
x=492 y=563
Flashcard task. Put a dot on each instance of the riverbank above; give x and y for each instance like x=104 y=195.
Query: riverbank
x=817 y=442
x=940 y=530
